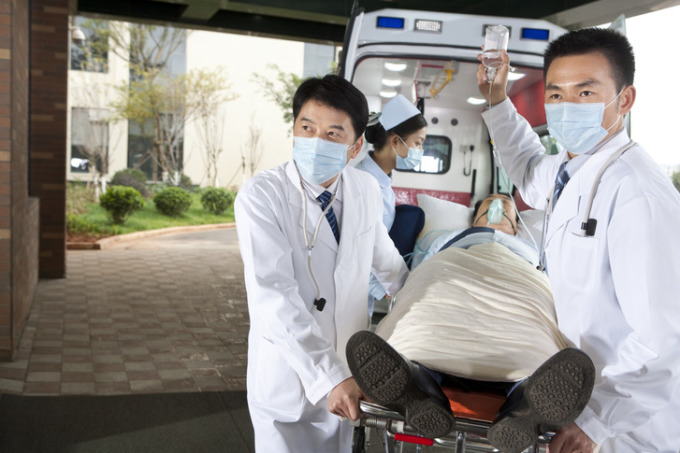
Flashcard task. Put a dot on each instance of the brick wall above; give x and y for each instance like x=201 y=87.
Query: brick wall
x=48 y=95
x=18 y=212
x=5 y=182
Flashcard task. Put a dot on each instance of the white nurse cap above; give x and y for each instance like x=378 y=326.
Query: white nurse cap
x=396 y=111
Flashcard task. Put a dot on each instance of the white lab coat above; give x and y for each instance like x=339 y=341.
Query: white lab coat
x=617 y=293
x=296 y=354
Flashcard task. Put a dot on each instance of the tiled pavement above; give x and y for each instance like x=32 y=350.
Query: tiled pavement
x=161 y=314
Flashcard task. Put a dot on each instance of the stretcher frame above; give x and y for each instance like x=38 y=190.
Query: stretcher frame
x=473 y=413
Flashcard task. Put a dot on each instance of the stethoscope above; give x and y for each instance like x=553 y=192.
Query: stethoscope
x=589 y=225
x=319 y=302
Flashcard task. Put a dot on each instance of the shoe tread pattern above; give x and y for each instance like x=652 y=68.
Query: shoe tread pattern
x=384 y=376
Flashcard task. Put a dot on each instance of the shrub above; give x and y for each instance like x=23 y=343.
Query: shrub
x=216 y=201
x=186 y=183
x=78 y=196
x=77 y=225
x=172 y=201
x=121 y=202
x=131 y=177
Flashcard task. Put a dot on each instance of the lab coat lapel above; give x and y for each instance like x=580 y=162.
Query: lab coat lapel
x=577 y=191
x=350 y=218
x=295 y=195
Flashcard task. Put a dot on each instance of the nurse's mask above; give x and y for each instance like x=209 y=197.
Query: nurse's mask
x=319 y=160
x=411 y=160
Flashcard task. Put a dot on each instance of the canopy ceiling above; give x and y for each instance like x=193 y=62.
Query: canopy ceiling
x=324 y=20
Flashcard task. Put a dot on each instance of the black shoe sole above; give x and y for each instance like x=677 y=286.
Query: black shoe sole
x=557 y=392
x=384 y=376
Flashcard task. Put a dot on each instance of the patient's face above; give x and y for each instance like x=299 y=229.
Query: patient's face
x=508 y=224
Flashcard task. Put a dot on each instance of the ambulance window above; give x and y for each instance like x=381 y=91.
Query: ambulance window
x=436 y=156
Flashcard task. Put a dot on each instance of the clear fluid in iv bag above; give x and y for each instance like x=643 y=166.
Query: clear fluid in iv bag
x=492 y=58
x=495 y=40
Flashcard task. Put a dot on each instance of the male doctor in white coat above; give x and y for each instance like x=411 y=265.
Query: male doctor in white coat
x=616 y=282
x=299 y=385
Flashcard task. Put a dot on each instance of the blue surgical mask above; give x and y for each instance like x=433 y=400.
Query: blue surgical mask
x=319 y=160
x=411 y=160
x=577 y=127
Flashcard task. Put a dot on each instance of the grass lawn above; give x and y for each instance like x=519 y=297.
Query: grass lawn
x=147 y=218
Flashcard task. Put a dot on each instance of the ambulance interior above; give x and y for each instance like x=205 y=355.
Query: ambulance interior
x=458 y=163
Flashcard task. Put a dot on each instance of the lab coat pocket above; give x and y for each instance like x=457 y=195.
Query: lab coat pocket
x=581 y=258
x=277 y=385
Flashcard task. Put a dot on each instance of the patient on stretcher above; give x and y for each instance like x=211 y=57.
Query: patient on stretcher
x=477 y=314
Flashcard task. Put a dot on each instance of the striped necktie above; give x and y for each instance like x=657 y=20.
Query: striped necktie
x=325 y=198
x=561 y=180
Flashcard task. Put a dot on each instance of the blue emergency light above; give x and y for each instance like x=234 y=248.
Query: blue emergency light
x=538 y=34
x=390 y=22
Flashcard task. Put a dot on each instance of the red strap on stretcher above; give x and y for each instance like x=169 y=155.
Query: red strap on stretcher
x=414 y=439
x=481 y=406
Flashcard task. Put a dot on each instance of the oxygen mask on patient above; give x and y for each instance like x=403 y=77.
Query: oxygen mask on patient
x=495 y=214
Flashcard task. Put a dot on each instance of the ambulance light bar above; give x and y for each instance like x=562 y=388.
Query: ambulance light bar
x=538 y=34
x=434 y=26
x=390 y=22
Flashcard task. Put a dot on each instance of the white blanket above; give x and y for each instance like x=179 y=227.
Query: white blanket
x=482 y=313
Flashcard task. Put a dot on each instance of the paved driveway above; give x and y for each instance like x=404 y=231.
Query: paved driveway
x=159 y=314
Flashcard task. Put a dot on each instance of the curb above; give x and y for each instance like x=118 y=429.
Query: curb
x=110 y=241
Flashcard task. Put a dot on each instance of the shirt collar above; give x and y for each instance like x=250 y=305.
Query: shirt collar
x=384 y=180
x=315 y=189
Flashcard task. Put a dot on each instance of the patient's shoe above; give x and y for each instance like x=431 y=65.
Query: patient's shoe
x=551 y=398
x=391 y=380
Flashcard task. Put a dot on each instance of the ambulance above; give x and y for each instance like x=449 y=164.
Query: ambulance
x=431 y=58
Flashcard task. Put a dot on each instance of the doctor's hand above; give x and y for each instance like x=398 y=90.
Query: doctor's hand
x=498 y=89
x=344 y=399
x=571 y=439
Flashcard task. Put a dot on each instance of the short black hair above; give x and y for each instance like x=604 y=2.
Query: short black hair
x=377 y=135
x=613 y=45
x=336 y=92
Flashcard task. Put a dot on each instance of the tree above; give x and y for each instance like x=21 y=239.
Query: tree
x=212 y=91
x=251 y=153
x=280 y=90
x=148 y=49
x=171 y=102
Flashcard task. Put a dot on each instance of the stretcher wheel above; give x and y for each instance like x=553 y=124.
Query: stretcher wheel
x=359 y=439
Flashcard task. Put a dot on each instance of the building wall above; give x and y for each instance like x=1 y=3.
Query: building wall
x=97 y=90
x=18 y=212
x=251 y=109
x=48 y=94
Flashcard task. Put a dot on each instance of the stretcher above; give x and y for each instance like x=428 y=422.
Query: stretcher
x=473 y=412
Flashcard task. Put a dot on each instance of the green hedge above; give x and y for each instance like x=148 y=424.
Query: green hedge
x=172 y=201
x=121 y=202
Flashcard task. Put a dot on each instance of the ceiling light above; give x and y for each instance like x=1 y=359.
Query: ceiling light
x=476 y=101
x=391 y=82
x=388 y=94
x=515 y=76
x=396 y=67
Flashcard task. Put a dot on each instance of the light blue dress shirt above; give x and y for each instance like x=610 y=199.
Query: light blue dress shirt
x=368 y=165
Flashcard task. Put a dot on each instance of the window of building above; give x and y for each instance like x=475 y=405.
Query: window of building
x=92 y=52
x=89 y=140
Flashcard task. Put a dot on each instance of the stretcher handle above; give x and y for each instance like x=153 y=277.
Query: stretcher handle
x=414 y=439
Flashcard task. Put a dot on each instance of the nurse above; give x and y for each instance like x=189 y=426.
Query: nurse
x=310 y=232
x=611 y=242
x=397 y=135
